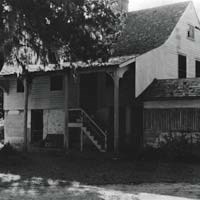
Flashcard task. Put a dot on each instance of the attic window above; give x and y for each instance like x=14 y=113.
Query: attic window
x=190 y=32
x=56 y=83
x=20 y=86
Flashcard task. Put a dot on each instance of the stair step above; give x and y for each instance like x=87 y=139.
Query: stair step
x=79 y=121
x=93 y=140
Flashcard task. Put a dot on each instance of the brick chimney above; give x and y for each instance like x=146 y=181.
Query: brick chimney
x=123 y=5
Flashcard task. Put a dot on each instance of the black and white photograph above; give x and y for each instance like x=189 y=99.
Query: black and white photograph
x=99 y=100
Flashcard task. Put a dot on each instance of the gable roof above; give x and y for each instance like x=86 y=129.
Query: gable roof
x=144 y=31
x=172 y=89
x=148 y=29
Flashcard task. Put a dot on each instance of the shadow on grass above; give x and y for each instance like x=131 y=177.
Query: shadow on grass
x=60 y=176
x=16 y=187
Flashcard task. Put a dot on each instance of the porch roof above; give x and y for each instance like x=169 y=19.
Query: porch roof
x=120 y=61
x=172 y=89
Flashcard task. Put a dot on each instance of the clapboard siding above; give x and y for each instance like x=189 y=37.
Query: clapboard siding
x=157 y=122
x=40 y=96
x=178 y=119
x=162 y=62
x=13 y=100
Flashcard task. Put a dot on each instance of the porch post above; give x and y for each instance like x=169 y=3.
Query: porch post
x=66 y=131
x=116 y=113
x=25 y=112
x=81 y=143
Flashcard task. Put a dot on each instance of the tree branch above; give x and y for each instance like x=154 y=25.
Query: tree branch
x=24 y=70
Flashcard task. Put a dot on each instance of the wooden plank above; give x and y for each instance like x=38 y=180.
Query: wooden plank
x=81 y=140
x=66 y=121
x=116 y=114
x=75 y=125
x=25 y=113
x=181 y=119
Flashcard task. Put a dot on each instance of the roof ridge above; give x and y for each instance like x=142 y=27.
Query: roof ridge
x=157 y=7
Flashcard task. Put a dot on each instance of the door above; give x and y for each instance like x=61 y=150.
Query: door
x=36 y=126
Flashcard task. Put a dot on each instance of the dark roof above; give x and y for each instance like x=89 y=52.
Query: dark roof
x=114 y=61
x=172 y=89
x=148 y=29
x=144 y=31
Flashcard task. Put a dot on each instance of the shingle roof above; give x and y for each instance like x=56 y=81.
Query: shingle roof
x=114 y=61
x=172 y=88
x=144 y=30
x=148 y=29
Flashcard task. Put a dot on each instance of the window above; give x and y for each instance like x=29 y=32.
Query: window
x=20 y=86
x=182 y=66
x=56 y=83
x=191 y=32
x=197 y=68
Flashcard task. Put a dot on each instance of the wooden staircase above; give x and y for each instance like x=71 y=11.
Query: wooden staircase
x=78 y=118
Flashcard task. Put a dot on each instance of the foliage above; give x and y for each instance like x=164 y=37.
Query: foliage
x=174 y=147
x=56 y=30
x=8 y=150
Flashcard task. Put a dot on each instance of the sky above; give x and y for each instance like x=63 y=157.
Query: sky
x=142 y=4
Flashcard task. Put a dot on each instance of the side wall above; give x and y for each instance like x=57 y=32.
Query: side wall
x=162 y=63
x=173 y=116
x=40 y=96
x=51 y=102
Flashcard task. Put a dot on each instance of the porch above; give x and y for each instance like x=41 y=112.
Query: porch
x=106 y=95
x=98 y=109
x=96 y=105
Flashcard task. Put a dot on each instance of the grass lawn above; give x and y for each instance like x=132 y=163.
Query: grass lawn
x=59 y=176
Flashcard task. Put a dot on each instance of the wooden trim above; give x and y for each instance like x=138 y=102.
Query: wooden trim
x=25 y=113
x=81 y=140
x=66 y=111
x=91 y=70
x=169 y=98
x=116 y=114
x=128 y=62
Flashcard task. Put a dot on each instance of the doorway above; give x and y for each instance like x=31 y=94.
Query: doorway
x=36 y=126
x=88 y=92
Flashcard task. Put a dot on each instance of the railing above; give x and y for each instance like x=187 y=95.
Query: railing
x=78 y=115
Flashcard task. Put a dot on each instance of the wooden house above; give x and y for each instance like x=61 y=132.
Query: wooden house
x=102 y=105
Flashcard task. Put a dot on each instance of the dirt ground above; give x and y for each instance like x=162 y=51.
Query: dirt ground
x=59 y=176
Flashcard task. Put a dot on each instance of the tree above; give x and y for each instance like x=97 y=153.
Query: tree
x=51 y=31
x=58 y=29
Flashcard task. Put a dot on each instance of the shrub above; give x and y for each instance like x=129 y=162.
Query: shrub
x=8 y=150
x=174 y=147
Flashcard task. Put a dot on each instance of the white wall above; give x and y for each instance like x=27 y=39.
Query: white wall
x=51 y=102
x=162 y=62
x=13 y=127
x=40 y=96
x=53 y=122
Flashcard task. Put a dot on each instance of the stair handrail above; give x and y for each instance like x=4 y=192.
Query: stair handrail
x=90 y=119
x=93 y=122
